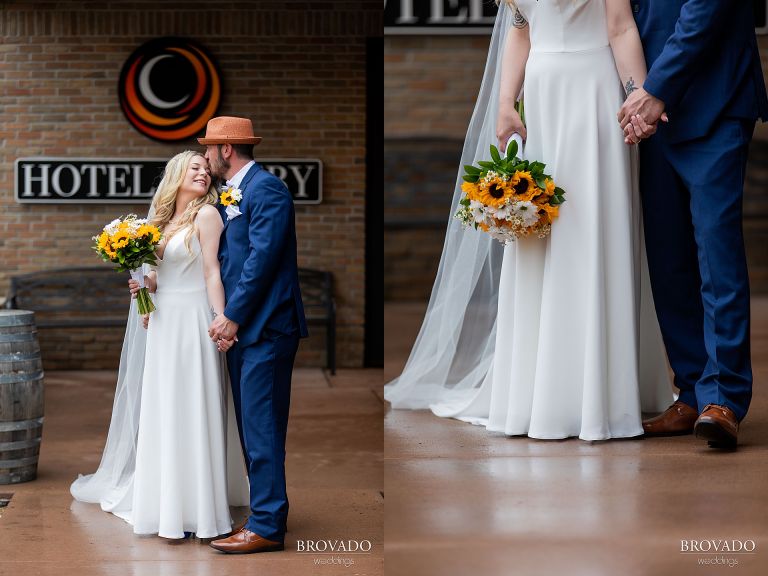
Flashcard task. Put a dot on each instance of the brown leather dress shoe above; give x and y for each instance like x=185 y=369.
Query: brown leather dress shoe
x=718 y=425
x=246 y=542
x=676 y=420
x=237 y=527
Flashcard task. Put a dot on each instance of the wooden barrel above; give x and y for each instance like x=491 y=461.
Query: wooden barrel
x=21 y=396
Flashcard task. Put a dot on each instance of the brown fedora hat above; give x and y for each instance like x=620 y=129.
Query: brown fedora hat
x=229 y=130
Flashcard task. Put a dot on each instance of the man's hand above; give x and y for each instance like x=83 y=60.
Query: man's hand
x=222 y=328
x=641 y=103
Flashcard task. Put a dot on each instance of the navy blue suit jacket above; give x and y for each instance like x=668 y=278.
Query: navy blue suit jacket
x=258 y=260
x=703 y=62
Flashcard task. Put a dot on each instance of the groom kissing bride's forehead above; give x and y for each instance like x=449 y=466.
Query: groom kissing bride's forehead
x=230 y=286
x=233 y=135
x=265 y=314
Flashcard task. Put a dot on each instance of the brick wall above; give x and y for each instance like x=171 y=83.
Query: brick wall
x=296 y=68
x=431 y=84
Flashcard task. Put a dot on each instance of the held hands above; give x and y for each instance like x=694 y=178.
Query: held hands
x=639 y=116
x=508 y=123
x=223 y=332
x=224 y=345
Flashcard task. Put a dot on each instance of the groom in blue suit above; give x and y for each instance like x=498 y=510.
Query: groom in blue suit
x=264 y=311
x=704 y=72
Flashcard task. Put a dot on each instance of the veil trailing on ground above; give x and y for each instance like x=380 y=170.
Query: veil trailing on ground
x=111 y=484
x=455 y=346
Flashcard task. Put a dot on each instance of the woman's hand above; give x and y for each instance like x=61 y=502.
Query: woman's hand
x=149 y=284
x=508 y=123
x=223 y=345
x=145 y=321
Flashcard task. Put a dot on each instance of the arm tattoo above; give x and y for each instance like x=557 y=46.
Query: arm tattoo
x=519 y=20
x=630 y=87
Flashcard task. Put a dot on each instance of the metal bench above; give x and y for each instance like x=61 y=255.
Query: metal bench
x=97 y=297
x=320 y=308
x=72 y=297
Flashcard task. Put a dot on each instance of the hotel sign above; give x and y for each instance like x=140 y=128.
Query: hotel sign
x=134 y=181
x=474 y=16
x=439 y=16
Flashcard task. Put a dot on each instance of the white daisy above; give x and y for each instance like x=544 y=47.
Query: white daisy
x=527 y=212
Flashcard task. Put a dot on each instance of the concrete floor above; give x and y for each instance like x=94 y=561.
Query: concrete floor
x=461 y=500
x=335 y=485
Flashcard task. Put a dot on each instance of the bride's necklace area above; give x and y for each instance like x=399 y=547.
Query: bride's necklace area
x=169 y=231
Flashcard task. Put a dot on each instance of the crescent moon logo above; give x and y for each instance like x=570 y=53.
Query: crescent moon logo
x=169 y=88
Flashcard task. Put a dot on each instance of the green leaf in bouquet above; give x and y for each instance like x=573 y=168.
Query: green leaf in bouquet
x=469 y=169
x=471 y=178
x=486 y=164
x=495 y=155
x=511 y=149
x=537 y=166
x=464 y=202
x=540 y=182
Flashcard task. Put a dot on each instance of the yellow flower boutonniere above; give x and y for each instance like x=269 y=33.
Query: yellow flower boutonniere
x=230 y=196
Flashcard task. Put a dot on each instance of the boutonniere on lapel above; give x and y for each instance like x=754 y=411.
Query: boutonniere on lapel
x=230 y=197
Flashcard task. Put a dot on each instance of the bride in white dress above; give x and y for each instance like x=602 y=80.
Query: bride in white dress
x=173 y=462
x=573 y=348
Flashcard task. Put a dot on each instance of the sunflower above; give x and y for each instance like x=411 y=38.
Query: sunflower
x=471 y=189
x=525 y=188
x=109 y=252
x=120 y=239
x=144 y=230
x=550 y=189
x=226 y=198
x=103 y=241
x=495 y=192
x=549 y=212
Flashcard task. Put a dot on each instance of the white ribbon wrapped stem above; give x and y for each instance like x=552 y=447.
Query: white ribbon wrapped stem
x=138 y=275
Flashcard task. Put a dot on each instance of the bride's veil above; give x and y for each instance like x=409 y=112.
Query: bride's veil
x=455 y=346
x=112 y=482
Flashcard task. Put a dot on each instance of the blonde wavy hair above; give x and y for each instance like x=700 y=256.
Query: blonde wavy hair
x=164 y=201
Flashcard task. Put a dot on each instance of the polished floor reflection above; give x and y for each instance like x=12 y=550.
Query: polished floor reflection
x=461 y=500
x=334 y=470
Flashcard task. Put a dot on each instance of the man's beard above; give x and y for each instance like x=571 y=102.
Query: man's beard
x=219 y=167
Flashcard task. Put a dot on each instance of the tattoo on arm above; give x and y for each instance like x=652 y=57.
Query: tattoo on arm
x=519 y=20
x=630 y=87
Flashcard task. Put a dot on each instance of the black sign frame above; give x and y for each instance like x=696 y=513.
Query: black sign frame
x=306 y=188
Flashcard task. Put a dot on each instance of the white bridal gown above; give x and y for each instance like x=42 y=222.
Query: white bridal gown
x=189 y=464
x=577 y=339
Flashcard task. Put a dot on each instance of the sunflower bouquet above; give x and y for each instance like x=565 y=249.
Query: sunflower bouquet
x=130 y=242
x=509 y=198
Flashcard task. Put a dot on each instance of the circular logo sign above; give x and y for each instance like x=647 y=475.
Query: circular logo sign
x=169 y=89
